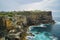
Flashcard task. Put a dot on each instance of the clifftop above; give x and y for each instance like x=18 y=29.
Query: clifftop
x=30 y=17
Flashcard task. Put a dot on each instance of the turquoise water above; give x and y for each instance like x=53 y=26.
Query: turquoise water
x=42 y=36
x=44 y=33
x=41 y=33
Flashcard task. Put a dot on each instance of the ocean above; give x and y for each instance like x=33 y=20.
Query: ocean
x=56 y=27
x=53 y=29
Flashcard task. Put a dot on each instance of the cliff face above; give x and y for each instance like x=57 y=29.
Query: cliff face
x=39 y=17
x=29 y=17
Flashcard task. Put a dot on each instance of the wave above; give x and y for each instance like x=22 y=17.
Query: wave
x=57 y=22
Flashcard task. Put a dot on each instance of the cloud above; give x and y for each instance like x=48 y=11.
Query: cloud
x=7 y=5
x=27 y=1
x=11 y=5
x=43 y=5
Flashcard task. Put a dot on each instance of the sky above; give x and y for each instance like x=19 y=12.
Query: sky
x=20 y=5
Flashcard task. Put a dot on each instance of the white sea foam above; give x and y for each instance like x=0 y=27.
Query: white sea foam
x=57 y=22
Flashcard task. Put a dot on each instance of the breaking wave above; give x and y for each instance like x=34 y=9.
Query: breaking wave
x=57 y=22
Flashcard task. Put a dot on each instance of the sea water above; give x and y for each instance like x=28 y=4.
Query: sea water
x=53 y=31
